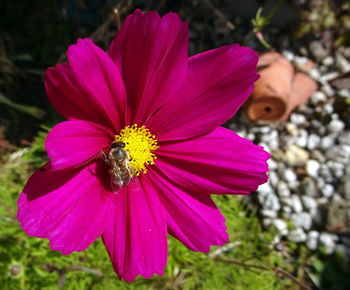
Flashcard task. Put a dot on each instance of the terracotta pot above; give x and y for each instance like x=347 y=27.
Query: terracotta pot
x=302 y=88
x=270 y=97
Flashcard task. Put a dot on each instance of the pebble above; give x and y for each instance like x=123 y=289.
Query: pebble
x=328 y=241
x=342 y=63
x=272 y=164
x=272 y=202
x=269 y=213
x=345 y=93
x=297 y=119
x=288 y=55
x=328 y=61
x=302 y=220
x=296 y=156
x=313 y=141
x=335 y=126
x=327 y=190
x=297 y=236
x=302 y=138
x=309 y=202
x=346 y=187
x=289 y=176
x=327 y=142
x=315 y=74
x=327 y=89
x=280 y=225
x=308 y=187
x=287 y=201
x=282 y=189
x=296 y=203
x=318 y=97
x=312 y=240
x=337 y=168
x=312 y=167
x=273 y=178
x=265 y=189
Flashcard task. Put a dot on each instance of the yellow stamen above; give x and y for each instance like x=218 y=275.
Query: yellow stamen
x=140 y=143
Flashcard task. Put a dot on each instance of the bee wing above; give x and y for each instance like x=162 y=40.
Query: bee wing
x=116 y=183
x=135 y=184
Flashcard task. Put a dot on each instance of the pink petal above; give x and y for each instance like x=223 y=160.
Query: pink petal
x=220 y=162
x=192 y=218
x=69 y=207
x=90 y=88
x=72 y=143
x=217 y=84
x=151 y=52
x=135 y=235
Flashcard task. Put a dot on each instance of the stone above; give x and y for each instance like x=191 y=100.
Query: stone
x=302 y=138
x=342 y=63
x=328 y=61
x=328 y=109
x=297 y=236
x=273 y=178
x=325 y=173
x=318 y=155
x=346 y=186
x=297 y=119
x=327 y=142
x=309 y=202
x=335 y=126
x=327 y=190
x=268 y=213
x=312 y=240
x=317 y=217
x=312 y=167
x=302 y=220
x=313 y=141
x=308 y=187
x=289 y=176
x=328 y=241
x=345 y=93
x=328 y=90
x=282 y=189
x=288 y=201
x=265 y=189
x=280 y=225
x=287 y=210
x=289 y=55
x=336 y=168
x=272 y=202
x=296 y=156
x=292 y=129
x=272 y=164
x=315 y=74
x=318 y=97
x=296 y=203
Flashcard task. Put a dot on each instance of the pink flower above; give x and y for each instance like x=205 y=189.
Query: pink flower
x=178 y=104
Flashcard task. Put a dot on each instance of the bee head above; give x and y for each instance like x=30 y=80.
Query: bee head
x=118 y=144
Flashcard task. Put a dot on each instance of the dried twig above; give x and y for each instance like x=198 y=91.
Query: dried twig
x=278 y=271
x=218 y=13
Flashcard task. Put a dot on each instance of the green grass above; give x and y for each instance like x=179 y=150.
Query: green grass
x=38 y=267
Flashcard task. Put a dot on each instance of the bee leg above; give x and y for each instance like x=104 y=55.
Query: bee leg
x=105 y=158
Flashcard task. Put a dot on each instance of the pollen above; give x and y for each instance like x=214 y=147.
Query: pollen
x=140 y=144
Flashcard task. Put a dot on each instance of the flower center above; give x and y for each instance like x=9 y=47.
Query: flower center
x=140 y=143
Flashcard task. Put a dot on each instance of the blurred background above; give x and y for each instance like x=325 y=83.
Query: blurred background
x=293 y=233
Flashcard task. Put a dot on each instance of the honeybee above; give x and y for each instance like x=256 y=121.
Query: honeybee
x=120 y=168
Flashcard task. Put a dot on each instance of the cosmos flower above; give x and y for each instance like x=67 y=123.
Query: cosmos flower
x=159 y=111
